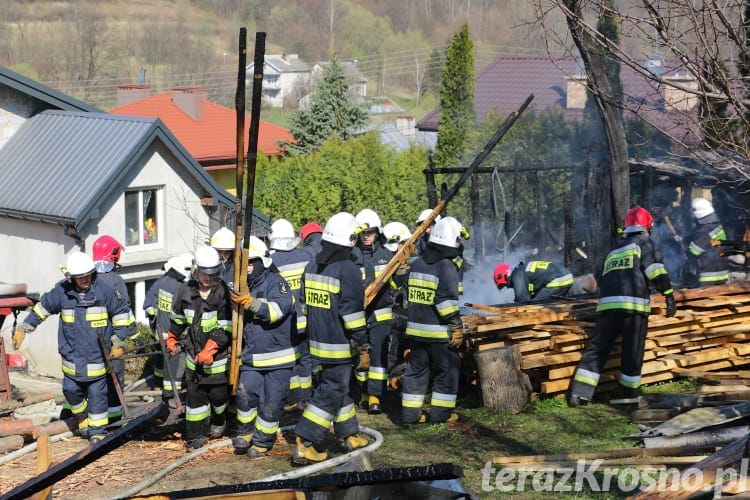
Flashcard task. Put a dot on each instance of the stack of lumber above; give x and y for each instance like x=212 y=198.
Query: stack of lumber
x=711 y=331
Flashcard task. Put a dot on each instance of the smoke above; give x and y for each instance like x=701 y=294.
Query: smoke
x=479 y=283
x=673 y=255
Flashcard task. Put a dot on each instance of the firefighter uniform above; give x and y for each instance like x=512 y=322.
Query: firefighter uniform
x=268 y=357
x=198 y=321
x=333 y=298
x=540 y=280
x=632 y=264
x=158 y=306
x=433 y=314
x=711 y=266
x=84 y=316
x=118 y=365
x=372 y=260
x=291 y=264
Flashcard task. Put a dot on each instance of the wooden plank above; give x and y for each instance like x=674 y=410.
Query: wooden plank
x=597 y=455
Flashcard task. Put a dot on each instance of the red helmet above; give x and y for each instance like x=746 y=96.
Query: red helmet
x=308 y=229
x=639 y=216
x=108 y=249
x=502 y=271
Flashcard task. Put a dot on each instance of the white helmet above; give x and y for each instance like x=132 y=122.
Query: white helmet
x=424 y=214
x=182 y=263
x=447 y=232
x=223 y=239
x=395 y=233
x=371 y=218
x=341 y=229
x=282 y=236
x=207 y=260
x=702 y=207
x=258 y=249
x=79 y=264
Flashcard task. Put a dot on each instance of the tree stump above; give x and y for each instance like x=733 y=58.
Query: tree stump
x=504 y=385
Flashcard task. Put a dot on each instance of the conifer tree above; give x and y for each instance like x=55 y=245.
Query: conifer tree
x=332 y=112
x=457 y=116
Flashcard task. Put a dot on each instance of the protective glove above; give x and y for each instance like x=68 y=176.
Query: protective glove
x=152 y=322
x=246 y=300
x=364 y=361
x=173 y=344
x=18 y=337
x=118 y=347
x=457 y=338
x=206 y=356
x=671 y=305
x=678 y=238
x=737 y=258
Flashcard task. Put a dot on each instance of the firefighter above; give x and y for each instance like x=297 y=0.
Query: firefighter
x=290 y=262
x=88 y=309
x=201 y=326
x=434 y=328
x=632 y=265
x=396 y=234
x=158 y=307
x=310 y=235
x=333 y=298
x=372 y=257
x=711 y=268
x=107 y=251
x=268 y=355
x=223 y=241
x=535 y=281
x=425 y=239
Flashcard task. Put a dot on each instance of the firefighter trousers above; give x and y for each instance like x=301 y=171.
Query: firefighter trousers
x=416 y=380
x=88 y=398
x=300 y=384
x=377 y=374
x=206 y=405
x=260 y=397
x=114 y=408
x=330 y=404
x=610 y=325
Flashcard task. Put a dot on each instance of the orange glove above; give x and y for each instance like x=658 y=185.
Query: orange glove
x=173 y=344
x=364 y=361
x=243 y=299
x=206 y=356
x=18 y=337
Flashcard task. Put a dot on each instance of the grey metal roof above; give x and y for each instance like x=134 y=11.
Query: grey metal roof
x=280 y=63
x=49 y=96
x=61 y=166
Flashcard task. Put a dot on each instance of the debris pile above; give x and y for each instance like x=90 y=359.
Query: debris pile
x=710 y=332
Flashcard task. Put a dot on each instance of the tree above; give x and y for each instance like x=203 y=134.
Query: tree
x=704 y=45
x=456 y=101
x=332 y=112
x=341 y=175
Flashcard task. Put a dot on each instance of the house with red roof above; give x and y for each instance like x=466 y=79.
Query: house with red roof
x=207 y=130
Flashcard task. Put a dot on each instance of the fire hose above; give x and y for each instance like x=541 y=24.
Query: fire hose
x=296 y=473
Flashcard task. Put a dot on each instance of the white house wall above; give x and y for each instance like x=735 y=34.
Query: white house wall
x=15 y=109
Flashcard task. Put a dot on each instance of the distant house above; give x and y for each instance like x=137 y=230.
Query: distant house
x=207 y=130
x=354 y=77
x=285 y=78
x=508 y=80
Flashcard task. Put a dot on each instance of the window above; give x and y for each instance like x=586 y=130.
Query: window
x=141 y=217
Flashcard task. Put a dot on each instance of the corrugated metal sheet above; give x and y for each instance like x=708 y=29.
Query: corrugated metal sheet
x=59 y=166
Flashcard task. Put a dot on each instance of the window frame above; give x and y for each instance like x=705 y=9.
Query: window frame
x=141 y=244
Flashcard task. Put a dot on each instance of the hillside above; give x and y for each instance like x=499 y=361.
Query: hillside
x=87 y=48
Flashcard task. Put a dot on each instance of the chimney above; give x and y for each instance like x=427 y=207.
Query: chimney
x=190 y=100
x=678 y=99
x=575 y=92
x=127 y=93
x=406 y=125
